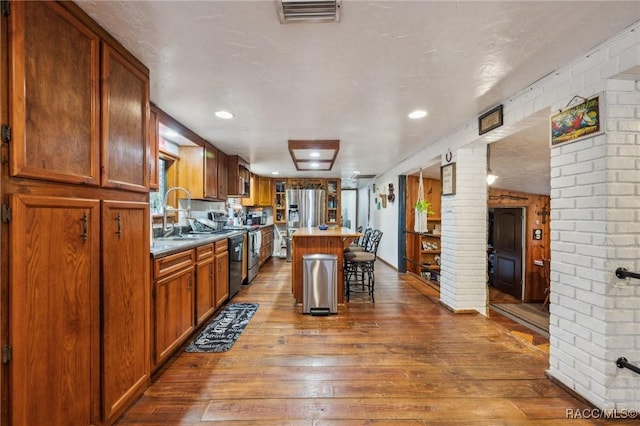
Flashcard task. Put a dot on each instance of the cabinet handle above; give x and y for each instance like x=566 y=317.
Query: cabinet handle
x=83 y=226
x=189 y=284
x=211 y=272
x=119 y=225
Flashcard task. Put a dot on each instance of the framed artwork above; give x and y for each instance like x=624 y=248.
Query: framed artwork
x=577 y=122
x=490 y=120
x=448 y=179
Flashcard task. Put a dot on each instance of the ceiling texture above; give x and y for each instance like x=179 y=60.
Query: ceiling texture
x=356 y=80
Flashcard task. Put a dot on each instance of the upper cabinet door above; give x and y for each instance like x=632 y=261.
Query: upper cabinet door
x=154 y=148
x=54 y=111
x=125 y=118
x=210 y=175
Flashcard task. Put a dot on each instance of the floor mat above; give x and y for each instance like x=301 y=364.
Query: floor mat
x=220 y=334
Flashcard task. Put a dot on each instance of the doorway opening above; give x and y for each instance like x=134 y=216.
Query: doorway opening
x=506 y=271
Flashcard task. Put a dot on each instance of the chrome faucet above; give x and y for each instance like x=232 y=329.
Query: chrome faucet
x=165 y=230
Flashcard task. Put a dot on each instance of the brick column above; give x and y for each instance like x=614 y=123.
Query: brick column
x=463 y=279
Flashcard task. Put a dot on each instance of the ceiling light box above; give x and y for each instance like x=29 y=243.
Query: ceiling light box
x=312 y=155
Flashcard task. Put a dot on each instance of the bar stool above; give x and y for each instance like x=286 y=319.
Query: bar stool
x=359 y=274
x=361 y=243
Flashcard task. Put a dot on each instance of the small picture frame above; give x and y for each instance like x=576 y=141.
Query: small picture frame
x=448 y=179
x=490 y=120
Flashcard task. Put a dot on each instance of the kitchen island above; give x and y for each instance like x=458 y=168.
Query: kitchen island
x=316 y=241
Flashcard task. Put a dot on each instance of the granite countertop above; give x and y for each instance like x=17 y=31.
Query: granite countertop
x=164 y=246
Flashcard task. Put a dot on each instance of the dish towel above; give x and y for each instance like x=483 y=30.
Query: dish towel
x=257 y=241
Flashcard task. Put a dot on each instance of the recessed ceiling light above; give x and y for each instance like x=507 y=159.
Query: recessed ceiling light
x=419 y=113
x=224 y=114
x=314 y=165
x=275 y=173
x=314 y=154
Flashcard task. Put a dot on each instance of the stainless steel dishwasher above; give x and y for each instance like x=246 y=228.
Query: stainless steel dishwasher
x=235 y=264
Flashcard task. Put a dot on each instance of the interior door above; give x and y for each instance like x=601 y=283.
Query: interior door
x=507 y=243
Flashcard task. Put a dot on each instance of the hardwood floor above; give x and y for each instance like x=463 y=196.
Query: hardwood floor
x=404 y=360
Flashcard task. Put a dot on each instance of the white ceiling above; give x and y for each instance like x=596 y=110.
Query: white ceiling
x=355 y=80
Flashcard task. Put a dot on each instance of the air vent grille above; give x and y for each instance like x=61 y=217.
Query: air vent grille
x=309 y=11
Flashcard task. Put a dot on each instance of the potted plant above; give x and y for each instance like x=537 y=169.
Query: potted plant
x=423 y=206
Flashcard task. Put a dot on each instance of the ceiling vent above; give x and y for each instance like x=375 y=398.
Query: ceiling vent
x=309 y=11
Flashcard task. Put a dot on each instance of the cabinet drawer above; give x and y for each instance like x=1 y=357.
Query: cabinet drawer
x=172 y=263
x=204 y=252
x=222 y=246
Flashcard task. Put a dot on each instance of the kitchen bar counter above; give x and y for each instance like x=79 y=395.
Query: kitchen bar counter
x=315 y=241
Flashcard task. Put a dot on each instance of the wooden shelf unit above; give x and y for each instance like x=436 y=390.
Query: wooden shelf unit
x=279 y=199
x=422 y=261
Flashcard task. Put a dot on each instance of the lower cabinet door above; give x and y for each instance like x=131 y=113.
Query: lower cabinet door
x=174 y=317
x=205 y=290
x=125 y=304
x=222 y=278
x=54 y=295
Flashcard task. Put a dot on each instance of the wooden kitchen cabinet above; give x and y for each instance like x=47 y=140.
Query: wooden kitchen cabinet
x=239 y=176
x=279 y=189
x=223 y=178
x=65 y=96
x=264 y=192
x=260 y=193
x=222 y=272
x=198 y=171
x=266 y=244
x=125 y=304
x=55 y=95
x=205 y=283
x=125 y=120
x=173 y=303
x=252 y=199
x=333 y=202
x=154 y=148
x=54 y=302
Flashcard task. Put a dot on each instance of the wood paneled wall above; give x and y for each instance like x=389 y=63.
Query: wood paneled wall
x=534 y=204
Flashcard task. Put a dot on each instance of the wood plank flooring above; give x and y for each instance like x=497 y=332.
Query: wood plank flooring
x=403 y=360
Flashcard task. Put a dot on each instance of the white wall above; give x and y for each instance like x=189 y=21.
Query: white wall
x=386 y=220
x=348 y=205
x=363 y=207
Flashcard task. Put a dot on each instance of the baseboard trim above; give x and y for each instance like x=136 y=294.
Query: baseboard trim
x=395 y=268
x=568 y=390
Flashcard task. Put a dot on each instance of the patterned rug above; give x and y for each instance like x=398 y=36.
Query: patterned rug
x=221 y=333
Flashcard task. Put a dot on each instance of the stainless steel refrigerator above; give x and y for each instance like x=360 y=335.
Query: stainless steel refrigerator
x=305 y=208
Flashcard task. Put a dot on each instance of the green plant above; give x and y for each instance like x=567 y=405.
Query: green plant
x=423 y=206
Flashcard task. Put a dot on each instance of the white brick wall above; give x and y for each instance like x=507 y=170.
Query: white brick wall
x=595 y=228
x=463 y=282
